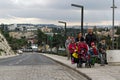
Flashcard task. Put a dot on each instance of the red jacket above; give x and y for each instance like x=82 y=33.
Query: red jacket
x=95 y=51
x=82 y=45
x=72 y=47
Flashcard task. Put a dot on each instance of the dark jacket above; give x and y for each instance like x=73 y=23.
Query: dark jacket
x=81 y=39
x=102 y=46
x=90 y=38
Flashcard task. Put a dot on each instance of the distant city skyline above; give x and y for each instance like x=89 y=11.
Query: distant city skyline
x=97 y=12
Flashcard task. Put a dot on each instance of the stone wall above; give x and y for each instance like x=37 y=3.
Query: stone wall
x=113 y=57
x=5 y=49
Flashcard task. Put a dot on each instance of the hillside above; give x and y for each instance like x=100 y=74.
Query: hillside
x=5 y=49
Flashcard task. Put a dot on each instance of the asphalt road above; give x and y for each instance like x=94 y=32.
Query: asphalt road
x=33 y=66
x=27 y=59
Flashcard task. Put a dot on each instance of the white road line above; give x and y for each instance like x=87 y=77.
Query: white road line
x=22 y=59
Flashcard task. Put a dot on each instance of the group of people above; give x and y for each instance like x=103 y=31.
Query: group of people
x=74 y=45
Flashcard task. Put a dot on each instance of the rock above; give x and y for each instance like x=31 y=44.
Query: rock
x=5 y=49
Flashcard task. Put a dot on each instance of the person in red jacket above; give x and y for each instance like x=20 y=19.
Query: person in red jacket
x=94 y=49
x=83 y=56
x=72 y=48
x=94 y=54
x=82 y=49
x=82 y=45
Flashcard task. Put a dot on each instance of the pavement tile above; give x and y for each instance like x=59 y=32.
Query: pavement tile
x=96 y=73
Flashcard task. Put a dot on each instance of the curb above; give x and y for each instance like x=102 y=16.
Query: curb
x=3 y=57
x=83 y=74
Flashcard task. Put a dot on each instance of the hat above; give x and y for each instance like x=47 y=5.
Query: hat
x=92 y=44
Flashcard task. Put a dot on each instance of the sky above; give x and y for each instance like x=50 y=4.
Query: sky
x=96 y=12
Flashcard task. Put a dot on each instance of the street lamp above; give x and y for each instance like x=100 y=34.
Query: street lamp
x=113 y=18
x=82 y=12
x=65 y=27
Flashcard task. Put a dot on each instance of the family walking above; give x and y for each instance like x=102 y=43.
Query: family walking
x=86 y=49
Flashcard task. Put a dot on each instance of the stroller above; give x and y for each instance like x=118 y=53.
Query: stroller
x=83 y=56
x=94 y=57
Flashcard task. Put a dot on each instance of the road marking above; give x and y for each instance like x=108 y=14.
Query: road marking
x=19 y=60
x=22 y=59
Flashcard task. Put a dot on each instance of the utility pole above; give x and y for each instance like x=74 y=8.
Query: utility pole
x=65 y=25
x=82 y=15
x=113 y=20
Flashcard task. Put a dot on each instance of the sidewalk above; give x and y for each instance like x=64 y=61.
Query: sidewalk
x=1 y=57
x=96 y=73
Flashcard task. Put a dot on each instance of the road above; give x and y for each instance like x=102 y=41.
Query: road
x=33 y=66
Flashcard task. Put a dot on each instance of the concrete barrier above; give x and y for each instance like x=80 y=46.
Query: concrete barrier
x=113 y=57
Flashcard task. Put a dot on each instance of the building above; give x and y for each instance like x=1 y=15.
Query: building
x=4 y=27
x=31 y=28
x=19 y=35
x=12 y=27
x=46 y=29
x=26 y=28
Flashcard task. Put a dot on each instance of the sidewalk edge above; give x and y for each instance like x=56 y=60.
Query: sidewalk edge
x=4 y=57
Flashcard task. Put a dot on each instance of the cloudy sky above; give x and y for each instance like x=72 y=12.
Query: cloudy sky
x=97 y=12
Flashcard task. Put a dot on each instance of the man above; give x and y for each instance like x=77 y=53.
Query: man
x=67 y=45
x=90 y=37
x=91 y=40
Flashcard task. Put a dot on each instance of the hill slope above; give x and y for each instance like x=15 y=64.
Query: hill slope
x=5 y=49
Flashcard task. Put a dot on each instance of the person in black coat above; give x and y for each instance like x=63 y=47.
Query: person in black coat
x=102 y=47
x=79 y=38
x=90 y=37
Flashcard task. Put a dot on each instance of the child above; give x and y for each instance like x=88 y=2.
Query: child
x=94 y=53
x=72 y=48
x=94 y=49
x=102 y=51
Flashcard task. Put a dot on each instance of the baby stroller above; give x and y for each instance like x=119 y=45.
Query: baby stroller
x=83 y=56
x=93 y=54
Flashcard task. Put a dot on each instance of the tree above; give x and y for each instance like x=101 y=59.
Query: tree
x=101 y=29
x=95 y=29
x=118 y=31
x=41 y=37
x=58 y=40
x=118 y=43
x=13 y=42
x=17 y=43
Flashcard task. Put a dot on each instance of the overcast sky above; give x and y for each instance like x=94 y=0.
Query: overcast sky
x=97 y=12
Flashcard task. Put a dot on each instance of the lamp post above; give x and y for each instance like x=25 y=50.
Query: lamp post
x=113 y=20
x=82 y=16
x=64 y=27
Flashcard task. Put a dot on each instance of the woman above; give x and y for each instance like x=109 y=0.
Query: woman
x=79 y=38
x=67 y=46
